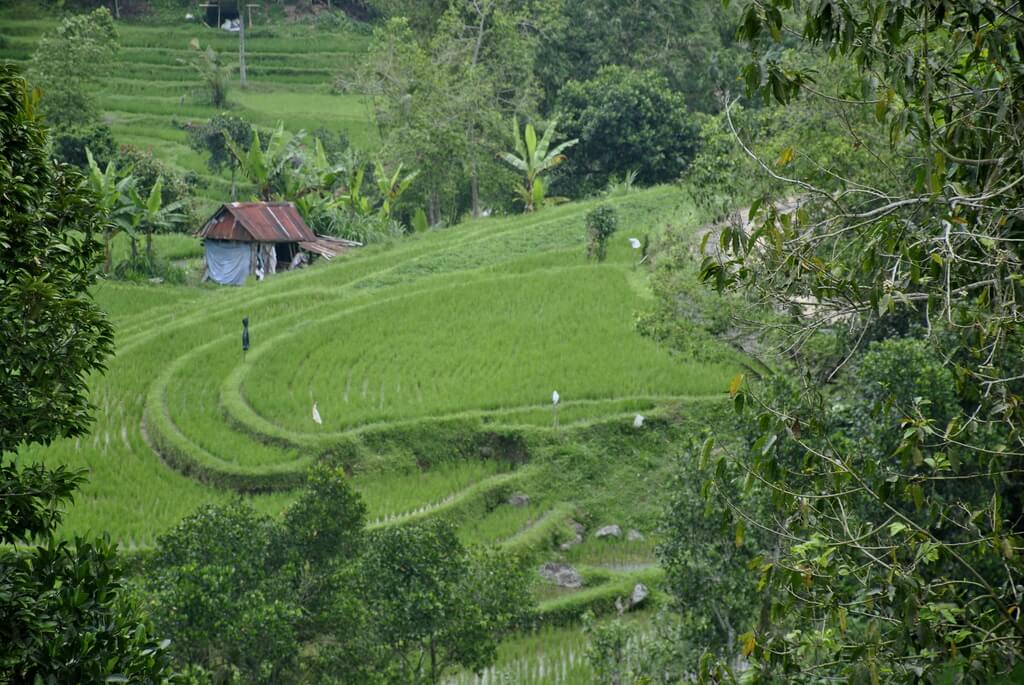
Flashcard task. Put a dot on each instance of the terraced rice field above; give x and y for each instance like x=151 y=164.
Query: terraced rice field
x=432 y=361
x=149 y=93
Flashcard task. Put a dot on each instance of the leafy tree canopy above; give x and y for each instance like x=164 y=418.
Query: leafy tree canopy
x=68 y=61
x=894 y=534
x=64 y=615
x=625 y=120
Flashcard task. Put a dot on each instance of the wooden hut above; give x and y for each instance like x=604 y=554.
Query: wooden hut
x=261 y=238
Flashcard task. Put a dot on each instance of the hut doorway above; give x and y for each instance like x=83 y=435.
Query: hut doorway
x=219 y=12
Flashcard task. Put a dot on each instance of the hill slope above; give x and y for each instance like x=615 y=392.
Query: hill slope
x=149 y=93
x=432 y=361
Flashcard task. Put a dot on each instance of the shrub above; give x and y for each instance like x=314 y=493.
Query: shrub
x=601 y=222
x=70 y=142
x=625 y=119
x=143 y=267
x=147 y=169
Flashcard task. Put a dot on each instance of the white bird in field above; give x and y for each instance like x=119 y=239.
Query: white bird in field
x=638 y=421
x=555 y=397
x=316 y=416
x=635 y=243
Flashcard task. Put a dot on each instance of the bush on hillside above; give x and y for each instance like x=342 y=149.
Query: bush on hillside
x=143 y=267
x=625 y=119
x=70 y=142
x=601 y=221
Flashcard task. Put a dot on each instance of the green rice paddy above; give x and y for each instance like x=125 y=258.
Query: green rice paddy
x=148 y=95
x=420 y=354
x=432 y=360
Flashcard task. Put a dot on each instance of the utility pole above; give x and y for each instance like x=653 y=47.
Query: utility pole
x=241 y=48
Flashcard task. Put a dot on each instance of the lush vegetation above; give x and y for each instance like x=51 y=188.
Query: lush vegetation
x=65 y=613
x=556 y=422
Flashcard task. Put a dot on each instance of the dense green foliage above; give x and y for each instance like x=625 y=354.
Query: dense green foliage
x=249 y=599
x=625 y=120
x=64 y=616
x=443 y=101
x=895 y=484
x=70 y=144
x=689 y=43
x=68 y=61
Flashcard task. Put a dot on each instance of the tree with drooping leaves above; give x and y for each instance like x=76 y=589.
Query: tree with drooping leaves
x=152 y=216
x=265 y=166
x=112 y=187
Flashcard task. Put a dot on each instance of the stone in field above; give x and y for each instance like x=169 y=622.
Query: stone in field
x=612 y=531
x=561 y=575
x=519 y=500
x=634 y=535
x=639 y=594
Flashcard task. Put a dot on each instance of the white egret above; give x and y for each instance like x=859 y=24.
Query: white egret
x=635 y=243
x=555 y=397
x=316 y=416
x=638 y=421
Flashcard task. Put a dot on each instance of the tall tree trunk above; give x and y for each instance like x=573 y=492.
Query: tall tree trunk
x=474 y=188
x=135 y=248
x=432 y=207
x=234 y=189
x=107 y=251
x=149 y=245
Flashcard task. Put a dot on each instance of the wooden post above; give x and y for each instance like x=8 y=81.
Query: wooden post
x=241 y=50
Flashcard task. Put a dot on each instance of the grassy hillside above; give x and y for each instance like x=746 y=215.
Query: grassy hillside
x=432 y=361
x=148 y=93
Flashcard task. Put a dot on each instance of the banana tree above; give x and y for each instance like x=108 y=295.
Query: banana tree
x=113 y=188
x=151 y=215
x=263 y=167
x=353 y=196
x=391 y=187
x=534 y=158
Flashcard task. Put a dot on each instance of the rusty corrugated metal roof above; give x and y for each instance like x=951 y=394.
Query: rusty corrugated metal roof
x=265 y=222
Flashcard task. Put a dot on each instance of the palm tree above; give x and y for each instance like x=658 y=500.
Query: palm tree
x=533 y=157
